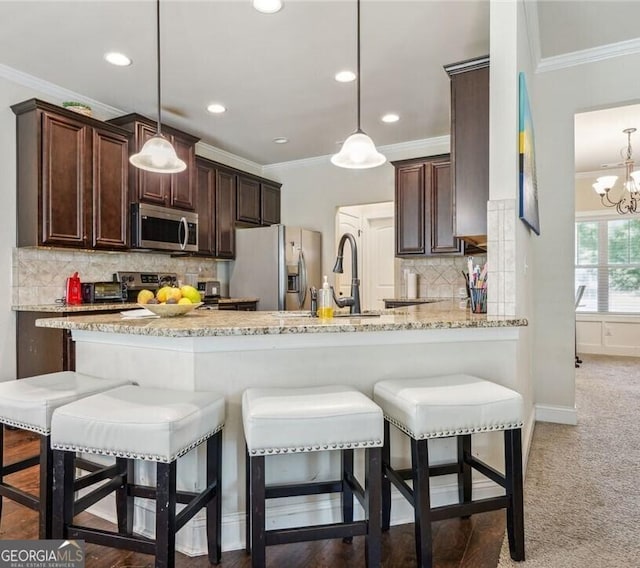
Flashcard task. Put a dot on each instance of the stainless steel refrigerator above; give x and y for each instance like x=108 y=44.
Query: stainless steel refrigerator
x=278 y=264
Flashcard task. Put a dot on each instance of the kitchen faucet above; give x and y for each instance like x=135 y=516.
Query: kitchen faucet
x=352 y=301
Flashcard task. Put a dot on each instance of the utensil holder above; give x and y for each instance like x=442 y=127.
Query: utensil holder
x=478 y=300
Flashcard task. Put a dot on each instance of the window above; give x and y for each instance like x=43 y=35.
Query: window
x=608 y=264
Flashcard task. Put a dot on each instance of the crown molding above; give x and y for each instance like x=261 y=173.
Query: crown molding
x=212 y=152
x=591 y=55
x=425 y=146
x=55 y=91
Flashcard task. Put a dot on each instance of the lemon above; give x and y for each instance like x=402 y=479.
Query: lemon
x=191 y=293
x=144 y=296
x=174 y=294
x=185 y=301
x=163 y=294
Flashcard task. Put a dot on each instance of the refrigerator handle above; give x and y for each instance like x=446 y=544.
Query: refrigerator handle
x=302 y=272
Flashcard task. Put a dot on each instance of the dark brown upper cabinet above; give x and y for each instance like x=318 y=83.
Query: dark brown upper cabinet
x=470 y=147
x=72 y=179
x=270 y=204
x=257 y=202
x=216 y=209
x=170 y=190
x=425 y=207
x=225 y=199
x=248 y=200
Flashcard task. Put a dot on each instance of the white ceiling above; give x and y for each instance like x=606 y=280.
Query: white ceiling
x=275 y=72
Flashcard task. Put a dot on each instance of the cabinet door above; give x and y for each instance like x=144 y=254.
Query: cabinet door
x=65 y=177
x=270 y=198
x=225 y=214
x=152 y=187
x=470 y=149
x=110 y=213
x=205 y=182
x=248 y=200
x=182 y=184
x=443 y=210
x=410 y=210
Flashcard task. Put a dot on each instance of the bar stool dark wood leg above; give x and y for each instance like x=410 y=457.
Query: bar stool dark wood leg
x=63 y=472
x=214 y=507
x=422 y=502
x=247 y=493
x=46 y=490
x=347 y=492
x=258 y=543
x=386 y=484
x=125 y=501
x=373 y=488
x=514 y=489
x=165 y=515
x=464 y=474
x=1 y=463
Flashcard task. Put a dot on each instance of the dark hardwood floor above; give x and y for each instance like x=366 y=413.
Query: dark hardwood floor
x=458 y=543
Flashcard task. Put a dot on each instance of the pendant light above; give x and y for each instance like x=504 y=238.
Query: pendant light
x=358 y=151
x=157 y=154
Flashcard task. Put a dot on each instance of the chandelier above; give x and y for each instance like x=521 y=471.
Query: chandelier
x=630 y=193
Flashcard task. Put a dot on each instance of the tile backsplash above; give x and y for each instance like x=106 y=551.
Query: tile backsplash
x=438 y=277
x=40 y=274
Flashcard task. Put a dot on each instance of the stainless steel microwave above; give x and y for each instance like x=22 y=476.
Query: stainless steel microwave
x=161 y=228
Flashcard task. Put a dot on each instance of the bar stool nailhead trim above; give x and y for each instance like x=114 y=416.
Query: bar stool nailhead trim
x=478 y=406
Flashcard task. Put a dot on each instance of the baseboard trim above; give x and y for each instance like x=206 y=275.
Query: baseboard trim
x=556 y=414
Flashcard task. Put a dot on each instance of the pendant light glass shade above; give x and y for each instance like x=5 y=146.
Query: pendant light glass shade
x=157 y=154
x=358 y=152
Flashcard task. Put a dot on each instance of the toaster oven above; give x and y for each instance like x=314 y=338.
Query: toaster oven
x=96 y=292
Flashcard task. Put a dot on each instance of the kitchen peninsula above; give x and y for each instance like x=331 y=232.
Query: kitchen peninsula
x=231 y=351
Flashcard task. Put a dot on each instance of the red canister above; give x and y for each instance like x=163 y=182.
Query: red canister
x=74 y=290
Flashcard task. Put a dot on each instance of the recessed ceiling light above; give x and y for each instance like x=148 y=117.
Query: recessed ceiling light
x=267 y=6
x=281 y=140
x=119 y=59
x=391 y=117
x=216 y=108
x=345 y=76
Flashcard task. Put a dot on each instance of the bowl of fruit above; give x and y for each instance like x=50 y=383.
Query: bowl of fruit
x=169 y=301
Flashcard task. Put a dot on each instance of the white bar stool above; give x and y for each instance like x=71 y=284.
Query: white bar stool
x=443 y=407
x=28 y=404
x=327 y=418
x=137 y=423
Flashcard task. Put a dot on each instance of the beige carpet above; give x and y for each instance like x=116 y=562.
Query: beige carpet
x=582 y=489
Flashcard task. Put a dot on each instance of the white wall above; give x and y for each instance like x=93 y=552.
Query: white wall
x=10 y=93
x=558 y=96
x=510 y=252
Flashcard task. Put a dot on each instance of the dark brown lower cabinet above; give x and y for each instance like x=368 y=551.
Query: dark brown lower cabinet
x=41 y=350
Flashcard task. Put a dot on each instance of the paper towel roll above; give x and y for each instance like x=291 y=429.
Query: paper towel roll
x=412 y=285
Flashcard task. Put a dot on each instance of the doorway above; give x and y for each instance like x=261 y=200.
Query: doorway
x=373 y=226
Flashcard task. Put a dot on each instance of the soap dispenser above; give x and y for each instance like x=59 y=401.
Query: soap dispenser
x=325 y=305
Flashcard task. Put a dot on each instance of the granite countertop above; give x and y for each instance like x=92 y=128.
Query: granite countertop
x=61 y=308
x=199 y=323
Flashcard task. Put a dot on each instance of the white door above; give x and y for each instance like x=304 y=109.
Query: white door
x=379 y=248
x=373 y=227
